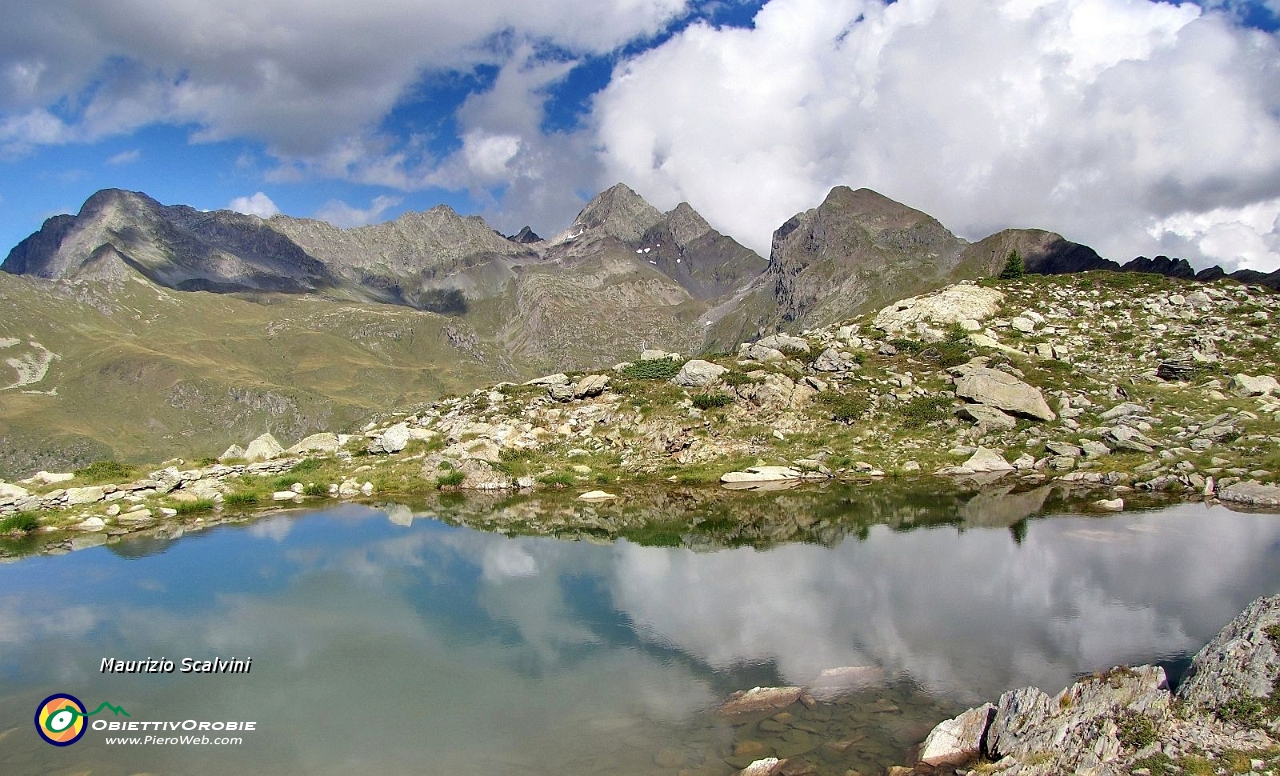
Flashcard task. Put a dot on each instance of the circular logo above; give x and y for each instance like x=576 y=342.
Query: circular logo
x=60 y=719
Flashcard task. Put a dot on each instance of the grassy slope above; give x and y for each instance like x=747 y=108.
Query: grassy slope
x=143 y=373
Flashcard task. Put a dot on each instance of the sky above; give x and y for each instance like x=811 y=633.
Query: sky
x=1136 y=127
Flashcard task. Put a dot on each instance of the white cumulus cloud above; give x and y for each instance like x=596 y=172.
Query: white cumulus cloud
x=1133 y=126
x=342 y=215
x=258 y=204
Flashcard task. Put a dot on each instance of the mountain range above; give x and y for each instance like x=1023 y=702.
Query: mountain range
x=138 y=330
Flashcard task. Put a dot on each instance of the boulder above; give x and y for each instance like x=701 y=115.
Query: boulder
x=1001 y=390
x=92 y=524
x=651 y=354
x=763 y=474
x=284 y=495
x=985 y=460
x=324 y=443
x=393 y=440
x=561 y=392
x=1126 y=438
x=832 y=360
x=235 y=451
x=785 y=343
x=958 y=740
x=1262 y=385
x=89 y=495
x=757 y=352
x=596 y=495
x=766 y=766
x=1251 y=493
x=1110 y=504
x=558 y=378
x=264 y=448
x=12 y=492
x=698 y=374
x=987 y=417
x=1024 y=325
x=591 y=385
x=953 y=304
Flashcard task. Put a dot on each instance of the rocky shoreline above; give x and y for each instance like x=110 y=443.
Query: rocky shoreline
x=1224 y=717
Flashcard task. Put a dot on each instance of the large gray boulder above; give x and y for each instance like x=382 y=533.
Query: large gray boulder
x=959 y=740
x=1262 y=385
x=785 y=343
x=698 y=374
x=393 y=440
x=1251 y=493
x=962 y=302
x=1001 y=390
x=324 y=443
x=264 y=448
x=591 y=385
x=1241 y=663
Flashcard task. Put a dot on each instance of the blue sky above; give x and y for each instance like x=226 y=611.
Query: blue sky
x=1133 y=126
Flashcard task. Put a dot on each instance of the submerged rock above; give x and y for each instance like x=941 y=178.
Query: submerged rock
x=760 y=699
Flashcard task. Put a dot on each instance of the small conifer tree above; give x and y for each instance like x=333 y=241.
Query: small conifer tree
x=1013 y=267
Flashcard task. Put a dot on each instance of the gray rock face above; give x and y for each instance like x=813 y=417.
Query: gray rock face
x=1243 y=661
x=963 y=302
x=698 y=374
x=1001 y=390
x=1251 y=493
x=757 y=352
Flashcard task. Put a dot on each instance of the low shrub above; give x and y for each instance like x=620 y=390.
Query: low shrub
x=921 y=410
x=19 y=522
x=657 y=369
x=1135 y=729
x=557 y=480
x=305 y=465
x=706 y=401
x=844 y=407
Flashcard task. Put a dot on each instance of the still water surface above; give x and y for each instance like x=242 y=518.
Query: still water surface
x=428 y=648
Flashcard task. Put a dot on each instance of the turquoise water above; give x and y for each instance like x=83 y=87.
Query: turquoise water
x=380 y=647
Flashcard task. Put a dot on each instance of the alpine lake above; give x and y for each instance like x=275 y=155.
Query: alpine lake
x=539 y=634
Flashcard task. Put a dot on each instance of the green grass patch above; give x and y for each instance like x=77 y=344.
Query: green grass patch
x=657 y=369
x=305 y=465
x=240 y=500
x=737 y=377
x=451 y=479
x=20 y=522
x=191 y=507
x=285 y=482
x=106 y=470
x=315 y=489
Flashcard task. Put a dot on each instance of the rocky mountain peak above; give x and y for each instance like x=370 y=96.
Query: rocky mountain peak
x=686 y=224
x=617 y=212
x=525 y=236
